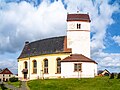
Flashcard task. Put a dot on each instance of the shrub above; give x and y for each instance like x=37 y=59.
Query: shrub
x=118 y=76
x=13 y=79
x=112 y=76
x=3 y=87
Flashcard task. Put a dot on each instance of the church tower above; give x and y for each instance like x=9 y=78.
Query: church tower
x=78 y=33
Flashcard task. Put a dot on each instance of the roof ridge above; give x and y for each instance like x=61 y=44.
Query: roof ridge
x=43 y=46
x=46 y=39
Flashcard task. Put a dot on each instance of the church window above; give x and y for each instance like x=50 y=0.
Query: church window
x=58 y=65
x=25 y=64
x=77 y=67
x=34 y=66
x=46 y=66
x=78 y=26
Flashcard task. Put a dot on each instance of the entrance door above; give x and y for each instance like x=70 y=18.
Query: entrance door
x=3 y=79
x=25 y=76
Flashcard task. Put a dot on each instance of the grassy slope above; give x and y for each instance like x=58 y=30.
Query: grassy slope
x=16 y=84
x=101 y=83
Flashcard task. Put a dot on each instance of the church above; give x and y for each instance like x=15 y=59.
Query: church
x=60 y=57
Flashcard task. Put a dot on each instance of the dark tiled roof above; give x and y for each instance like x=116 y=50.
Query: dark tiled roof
x=78 y=17
x=6 y=71
x=45 y=46
x=77 y=58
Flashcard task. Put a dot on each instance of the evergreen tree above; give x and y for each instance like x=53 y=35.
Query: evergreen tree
x=118 y=76
x=112 y=76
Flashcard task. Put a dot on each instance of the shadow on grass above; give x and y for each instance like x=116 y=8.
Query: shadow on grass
x=3 y=87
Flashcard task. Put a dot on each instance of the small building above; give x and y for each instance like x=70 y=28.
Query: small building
x=103 y=73
x=78 y=66
x=5 y=74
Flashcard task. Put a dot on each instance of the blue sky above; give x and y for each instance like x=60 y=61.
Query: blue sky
x=30 y=20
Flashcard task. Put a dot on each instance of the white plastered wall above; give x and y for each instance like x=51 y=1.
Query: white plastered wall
x=72 y=25
x=88 y=70
x=79 y=39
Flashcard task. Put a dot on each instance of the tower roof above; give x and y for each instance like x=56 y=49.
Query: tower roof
x=78 y=17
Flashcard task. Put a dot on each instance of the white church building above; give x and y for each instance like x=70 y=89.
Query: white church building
x=60 y=57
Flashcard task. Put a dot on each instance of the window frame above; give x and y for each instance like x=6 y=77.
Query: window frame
x=34 y=67
x=9 y=75
x=76 y=65
x=78 y=26
x=58 y=65
x=45 y=66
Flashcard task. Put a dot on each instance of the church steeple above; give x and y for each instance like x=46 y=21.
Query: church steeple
x=78 y=33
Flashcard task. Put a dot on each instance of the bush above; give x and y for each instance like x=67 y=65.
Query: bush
x=13 y=79
x=118 y=76
x=112 y=76
x=3 y=87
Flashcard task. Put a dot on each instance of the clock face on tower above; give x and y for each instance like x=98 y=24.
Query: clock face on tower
x=72 y=26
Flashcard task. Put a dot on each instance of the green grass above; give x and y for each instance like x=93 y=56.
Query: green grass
x=2 y=87
x=98 y=83
x=16 y=84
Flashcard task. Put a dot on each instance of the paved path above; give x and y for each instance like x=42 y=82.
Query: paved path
x=11 y=87
x=23 y=86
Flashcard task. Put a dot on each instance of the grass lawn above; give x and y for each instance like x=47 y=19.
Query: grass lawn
x=16 y=84
x=3 y=88
x=98 y=83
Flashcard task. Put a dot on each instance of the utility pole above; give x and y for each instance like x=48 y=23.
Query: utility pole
x=28 y=50
x=29 y=67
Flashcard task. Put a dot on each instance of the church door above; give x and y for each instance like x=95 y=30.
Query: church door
x=25 y=76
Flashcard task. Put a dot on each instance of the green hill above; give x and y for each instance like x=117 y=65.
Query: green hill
x=98 y=83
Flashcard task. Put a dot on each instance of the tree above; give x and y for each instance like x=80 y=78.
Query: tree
x=112 y=76
x=118 y=76
x=13 y=79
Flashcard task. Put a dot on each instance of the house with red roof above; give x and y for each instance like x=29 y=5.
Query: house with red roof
x=5 y=74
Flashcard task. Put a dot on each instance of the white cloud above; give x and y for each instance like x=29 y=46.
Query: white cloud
x=101 y=17
x=117 y=39
x=9 y=62
x=107 y=60
x=23 y=21
x=26 y=22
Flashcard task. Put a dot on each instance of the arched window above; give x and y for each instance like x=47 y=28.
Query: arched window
x=58 y=65
x=45 y=65
x=34 y=66
x=25 y=65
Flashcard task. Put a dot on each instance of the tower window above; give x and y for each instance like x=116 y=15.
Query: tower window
x=78 y=26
